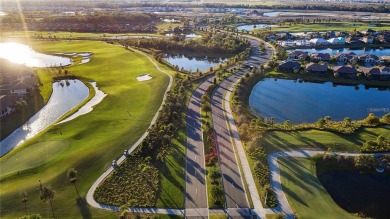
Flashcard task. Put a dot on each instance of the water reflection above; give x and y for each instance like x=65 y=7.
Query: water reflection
x=189 y=62
x=357 y=51
x=308 y=101
x=66 y=95
x=251 y=27
x=23 y=54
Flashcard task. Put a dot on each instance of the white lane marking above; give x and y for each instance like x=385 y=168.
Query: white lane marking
x=195 y=157
x=196 y=190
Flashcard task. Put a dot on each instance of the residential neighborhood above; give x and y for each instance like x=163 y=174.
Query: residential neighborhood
x=331 y=38
x=343 y=65
x=17 y=82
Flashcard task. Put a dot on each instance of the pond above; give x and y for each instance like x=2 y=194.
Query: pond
x=88 y=107
x=23 y=54
x=355 y=192
x=308 y=101
x=250 y=27
x=292 y=13
x=192 y=63
x=376 y=51
x=65 y=96
x=191 y=35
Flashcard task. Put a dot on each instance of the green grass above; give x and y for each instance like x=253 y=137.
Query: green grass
x=93 y=140
x=307 y=197
x=217 y=216
x=342 y=26
x=321 y=140
x=172 y=174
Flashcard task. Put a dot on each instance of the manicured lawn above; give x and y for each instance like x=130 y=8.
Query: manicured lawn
x=307 y=197
x=88 y=143
x=330 y=26
x=321 y=140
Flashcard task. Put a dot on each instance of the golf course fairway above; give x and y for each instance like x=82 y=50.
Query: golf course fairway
x=88 y=143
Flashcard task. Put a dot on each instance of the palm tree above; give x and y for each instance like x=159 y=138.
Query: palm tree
x=72 y=176
x=47 y=195
x=23 y=198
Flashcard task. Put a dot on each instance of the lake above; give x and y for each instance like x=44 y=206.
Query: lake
x=376 y=51
x=65 y=97
x=194 y=62
x=292 y=13
x=355 y=192
x=307 y=101
x=24 y=54
x=250 y=27
x=191 y=35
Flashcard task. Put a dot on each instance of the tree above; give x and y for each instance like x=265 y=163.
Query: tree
x=23 y=198
x=287 y=124
x=371 y=119
x=347 y=121
x=321 y=122
x=47 y=194
x=206 y=108
x=72 y=176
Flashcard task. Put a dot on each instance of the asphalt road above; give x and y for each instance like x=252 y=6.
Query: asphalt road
x=235 y=194
x=196 y=203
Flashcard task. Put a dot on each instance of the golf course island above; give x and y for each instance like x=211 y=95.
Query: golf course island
x=194 y=109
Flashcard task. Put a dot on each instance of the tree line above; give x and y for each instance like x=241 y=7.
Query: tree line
x=111 y=18
x=212 y=43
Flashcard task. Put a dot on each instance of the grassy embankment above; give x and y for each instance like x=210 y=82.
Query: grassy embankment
x=90 y=150
x=307 y=197
x=337 y=26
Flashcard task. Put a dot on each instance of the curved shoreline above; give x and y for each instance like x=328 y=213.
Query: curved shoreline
x=25 y=133
x=87 y=107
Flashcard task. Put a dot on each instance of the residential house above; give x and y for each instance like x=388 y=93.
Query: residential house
x=299 y=55
x=383 y=38
x=320 y=56
x=367 y=40
x=345 y=72
x=336 y=41
x=316 y=69
x=7 y=103
x=289 y=66
x=319 y=41
x=370 y=58
x=288 y=43
x=23 y=87
x=354 y=41
x=370 y=32
x=385 y=73
x=285 y=36
x=345 y=57
x=377 y=73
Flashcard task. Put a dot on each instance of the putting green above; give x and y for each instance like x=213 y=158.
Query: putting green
x=33 y=156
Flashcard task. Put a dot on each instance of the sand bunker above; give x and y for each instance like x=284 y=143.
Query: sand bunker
x=144 y=77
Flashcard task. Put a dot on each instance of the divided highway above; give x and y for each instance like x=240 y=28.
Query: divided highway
x=235 y=194
x=196 y=203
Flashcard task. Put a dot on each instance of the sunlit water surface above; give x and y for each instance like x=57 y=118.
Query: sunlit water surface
x=23 y=54
x=65 y=97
